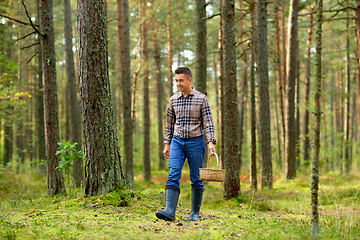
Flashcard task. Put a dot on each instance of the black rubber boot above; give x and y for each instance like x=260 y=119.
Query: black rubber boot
x=172 y=196
x=196 y=198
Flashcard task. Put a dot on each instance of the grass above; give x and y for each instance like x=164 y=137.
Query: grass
x=281 y=213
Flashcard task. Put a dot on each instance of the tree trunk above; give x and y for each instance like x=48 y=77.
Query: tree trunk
x=41 y=149
x=169 y=47
x=253 y=169
x=125 y=85
x=297 y=108
x=347 y=107
x=264 y=115
x=290 y=161
x=55 y=180
x=201 y=59
x=73 y=101
x=357 y=14
x=315 y=165
x=222 y=89
x=159 y=91
x=146 y=99
x=103 y=170
x=231 y=148
x=280 y=78
x=308 y=75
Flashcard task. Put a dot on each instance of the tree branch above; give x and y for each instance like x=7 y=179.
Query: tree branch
x=328 y=11
x=32 y=57
x=31 y=45
x=23 y=37
x=214 y=15
x=31 y=22
x=16 y=20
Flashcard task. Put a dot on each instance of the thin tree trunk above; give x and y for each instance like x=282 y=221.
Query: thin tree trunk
x=264 y=115
x=217 y=88
x=40 y=130
x=290 y=143
x=347 y=107
x=253 y=169
x=125 y=85
x=297 y=108
x=231 y=148
x=308 y=75
x=55 y=180
x=201 y=59
x=103 y=169
x=222 y=89
x=146 y=99
x=169 y=47
x=73 y=101
x=280 y=77
x=357 y=14
x=315 y=165
x=159 y=91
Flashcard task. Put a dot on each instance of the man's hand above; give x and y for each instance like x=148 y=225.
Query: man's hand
x=166 y=150
x=212 y=149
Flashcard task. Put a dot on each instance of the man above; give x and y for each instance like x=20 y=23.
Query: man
x=188 y=118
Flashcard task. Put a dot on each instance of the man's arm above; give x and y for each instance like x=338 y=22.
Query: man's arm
x=208 y=126
x=169 y=124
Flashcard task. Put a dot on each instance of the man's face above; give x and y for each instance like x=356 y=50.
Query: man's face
x=183 y=83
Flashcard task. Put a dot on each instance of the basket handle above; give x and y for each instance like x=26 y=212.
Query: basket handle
x=217 y=161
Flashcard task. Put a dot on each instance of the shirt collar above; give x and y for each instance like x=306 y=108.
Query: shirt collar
x=191 y=93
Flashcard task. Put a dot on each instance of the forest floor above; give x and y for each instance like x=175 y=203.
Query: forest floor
x=281 y=213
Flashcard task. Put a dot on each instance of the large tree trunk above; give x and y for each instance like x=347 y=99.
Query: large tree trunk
x=315 y=165
x=40 y=130
x=291 y=62
x=201 y=59
x=159 y=91
x=73 y=101
x=55 y=180
x=103 y=170
x=253 y=169
x=264 y=115
x=146 y=98
x=231 y=148
x=125 y=76
x=308 y=75
x=169 y=47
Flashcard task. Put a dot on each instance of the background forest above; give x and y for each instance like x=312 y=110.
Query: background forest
x=257 y=63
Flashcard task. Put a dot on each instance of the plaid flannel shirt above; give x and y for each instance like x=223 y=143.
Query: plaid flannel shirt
x=189 y=117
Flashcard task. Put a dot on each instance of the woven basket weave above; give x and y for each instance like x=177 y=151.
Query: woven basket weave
x=212 y=175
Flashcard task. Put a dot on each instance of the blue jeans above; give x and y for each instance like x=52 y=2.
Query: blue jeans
x=181 y=148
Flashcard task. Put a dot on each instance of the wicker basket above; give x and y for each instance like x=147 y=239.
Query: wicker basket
x=212 y=175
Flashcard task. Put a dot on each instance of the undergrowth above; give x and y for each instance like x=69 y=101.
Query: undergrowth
x=280 y=213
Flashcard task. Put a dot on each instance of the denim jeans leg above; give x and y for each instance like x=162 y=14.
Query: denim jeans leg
x=176 y=161
x=195 y=150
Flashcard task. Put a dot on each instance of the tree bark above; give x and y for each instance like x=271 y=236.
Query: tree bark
x=253 y=168
x=159 y=91
x=357 y=14
x=307 y=95
x=315 y=165
x=201 y=58
x=222 y=89
x=264 y=115
x=146 y=99
x=103 y=169
x=290 y=161
x=73 y=101
x=55 y=180
x=231 y=148
x=125 y=85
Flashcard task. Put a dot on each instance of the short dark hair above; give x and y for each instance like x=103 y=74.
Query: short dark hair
x=184 y=70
